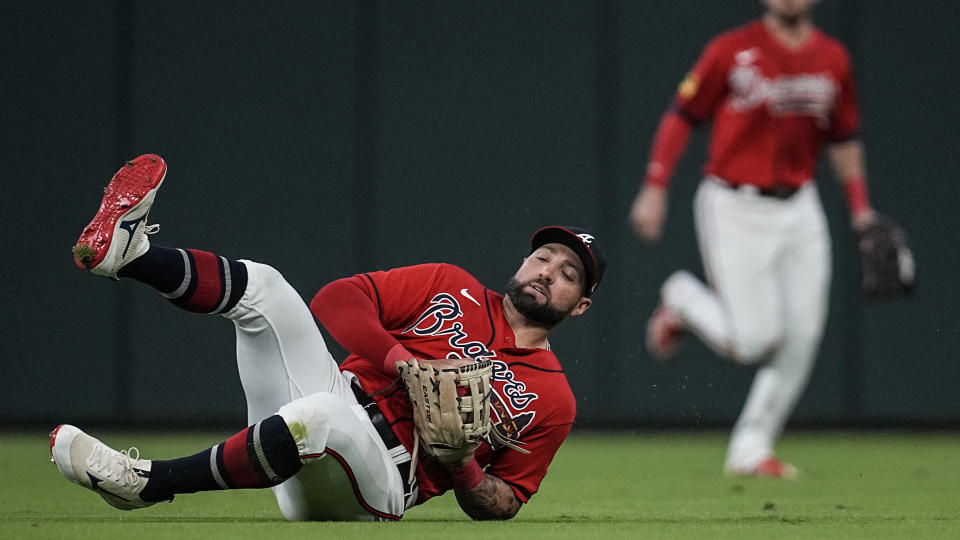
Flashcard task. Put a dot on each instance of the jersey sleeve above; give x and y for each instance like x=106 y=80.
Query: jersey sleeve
x=704 y=87
x=350 y=313
x=362 y=311
x=524 y=472
x=845 y=120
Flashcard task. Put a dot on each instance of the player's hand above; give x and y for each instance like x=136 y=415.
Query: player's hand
x=397 y=354
x=863 y=219
x=442 y=363
x=648 y=211
x=459 y=464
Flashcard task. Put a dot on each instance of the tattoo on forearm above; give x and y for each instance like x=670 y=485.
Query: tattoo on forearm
x=492 y=499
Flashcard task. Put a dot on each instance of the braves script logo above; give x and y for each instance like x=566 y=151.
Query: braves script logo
x=440 y=319
x=512 y=388
x=433 y=322
x=810 y=94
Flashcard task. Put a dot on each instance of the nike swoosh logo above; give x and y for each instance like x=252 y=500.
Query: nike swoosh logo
x=130 y=226
x=470 y=298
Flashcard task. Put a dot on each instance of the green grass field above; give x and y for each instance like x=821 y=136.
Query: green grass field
x=614 y=485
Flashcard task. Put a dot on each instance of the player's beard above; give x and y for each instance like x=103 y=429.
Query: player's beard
x=791 y=20
x=544 y=315
x=790 y=14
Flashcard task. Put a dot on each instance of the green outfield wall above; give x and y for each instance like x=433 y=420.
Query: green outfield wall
x=329 y=138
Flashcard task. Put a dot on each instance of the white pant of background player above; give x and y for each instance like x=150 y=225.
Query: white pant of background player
x=285 y=366
x=768 y=264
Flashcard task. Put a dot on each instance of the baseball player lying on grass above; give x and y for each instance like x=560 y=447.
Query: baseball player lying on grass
x=339 y=443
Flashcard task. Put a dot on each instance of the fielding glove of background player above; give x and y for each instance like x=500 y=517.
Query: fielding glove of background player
x=451 y=405
x=886 y=261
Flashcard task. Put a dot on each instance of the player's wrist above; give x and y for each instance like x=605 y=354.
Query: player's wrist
x=656 y=177
x=858 y=200
x=465 y=474
x=397 y=353
x=863 y=219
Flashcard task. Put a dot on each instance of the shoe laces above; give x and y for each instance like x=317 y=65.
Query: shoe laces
x=152 y=228
x=117 y=467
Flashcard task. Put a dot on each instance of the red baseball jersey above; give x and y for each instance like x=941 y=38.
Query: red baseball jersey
x=771 y=106
x=441 y=311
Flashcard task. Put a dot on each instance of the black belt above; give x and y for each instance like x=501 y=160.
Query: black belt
x=386 y=433
x=780 y=191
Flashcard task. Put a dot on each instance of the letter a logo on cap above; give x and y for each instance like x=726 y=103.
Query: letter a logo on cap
x=587 y=238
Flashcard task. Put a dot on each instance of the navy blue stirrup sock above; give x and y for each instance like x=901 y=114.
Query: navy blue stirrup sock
x=160 y=267
x=260 y=456
x=194 y=280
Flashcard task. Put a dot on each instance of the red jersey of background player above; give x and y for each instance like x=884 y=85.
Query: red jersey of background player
x=441 y=311
x=771 y=106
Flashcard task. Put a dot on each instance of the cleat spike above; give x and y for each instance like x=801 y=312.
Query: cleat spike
x=84 y=254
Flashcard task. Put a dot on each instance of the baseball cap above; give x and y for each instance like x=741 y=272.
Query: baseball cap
x=582 y=243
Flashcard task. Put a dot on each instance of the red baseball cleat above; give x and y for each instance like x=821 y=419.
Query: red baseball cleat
x=664 y=332
x=770 y=467
x=117 y=233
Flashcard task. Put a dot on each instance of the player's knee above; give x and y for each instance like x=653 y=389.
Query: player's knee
x=803 y=338
x=311 y=419
x=317 y=408
x=807 y=332
x=263 y=276
x=266 y=289
x=755 y=348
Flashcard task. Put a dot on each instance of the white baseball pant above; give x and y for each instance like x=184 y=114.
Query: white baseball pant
x=286 y=369
x=768 y=264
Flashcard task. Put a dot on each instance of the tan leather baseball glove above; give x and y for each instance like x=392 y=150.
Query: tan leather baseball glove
x=451 y=405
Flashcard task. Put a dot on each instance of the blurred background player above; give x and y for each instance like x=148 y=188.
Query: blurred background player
x=334 y=441
x=775 y=90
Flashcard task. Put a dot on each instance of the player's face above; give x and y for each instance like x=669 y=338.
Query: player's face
x=789 y=9
x=549 y=285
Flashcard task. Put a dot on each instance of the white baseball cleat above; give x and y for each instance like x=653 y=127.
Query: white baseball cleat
x=118 y=477
x=118 y=232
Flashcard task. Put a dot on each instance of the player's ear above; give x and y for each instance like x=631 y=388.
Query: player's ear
x=581 y=307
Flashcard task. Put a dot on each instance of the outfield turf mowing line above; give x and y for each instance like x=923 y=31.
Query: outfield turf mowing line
x=648 y=484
